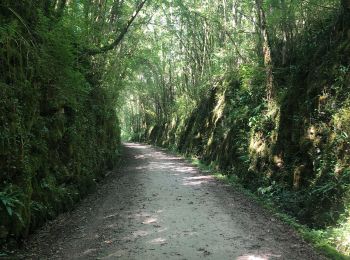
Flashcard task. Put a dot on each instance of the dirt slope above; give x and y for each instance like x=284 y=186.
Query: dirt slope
x=157 y=206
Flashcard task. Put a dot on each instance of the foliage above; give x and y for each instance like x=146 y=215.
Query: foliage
x=60 y=129
x=258 y=89
x=10 y=200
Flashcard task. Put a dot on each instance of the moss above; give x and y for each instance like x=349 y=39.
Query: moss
x=295 y=151
x=59 y=126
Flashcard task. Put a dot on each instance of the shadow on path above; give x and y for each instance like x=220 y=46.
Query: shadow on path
x=157 y=206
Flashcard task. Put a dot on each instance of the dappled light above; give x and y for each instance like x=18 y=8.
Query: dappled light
x=185 y=169
x=205 y=177
x=174 y=158
x=150 y=221
x=193 y=183
x=140 y=233
x=158 y=241
x=89 y=251
x=258 y=257
x=167 y=208
x=140 y=156
x=117 y=114
x=198 y=180
x=112 y=216
x=141 y=167
x=136 y=145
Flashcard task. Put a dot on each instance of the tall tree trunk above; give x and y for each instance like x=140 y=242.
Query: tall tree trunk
x=345 y=6
x=344 y=18
x=285 y=31
x=266 y=51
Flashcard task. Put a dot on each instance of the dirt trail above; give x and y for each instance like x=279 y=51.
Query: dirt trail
x=157 y=206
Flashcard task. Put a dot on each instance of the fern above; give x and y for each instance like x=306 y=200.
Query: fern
x=10 y=201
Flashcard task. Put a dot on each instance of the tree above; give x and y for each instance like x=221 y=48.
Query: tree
x=345 y=13
x=266 y=50
x=121 y=35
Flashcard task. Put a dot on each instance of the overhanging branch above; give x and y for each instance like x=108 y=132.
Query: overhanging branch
x=120 y=37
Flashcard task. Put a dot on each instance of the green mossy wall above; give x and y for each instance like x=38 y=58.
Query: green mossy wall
x=295 y=151
x=59 y=130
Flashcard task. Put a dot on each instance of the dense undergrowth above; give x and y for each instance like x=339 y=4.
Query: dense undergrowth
x=293 y=150
x=59 y=129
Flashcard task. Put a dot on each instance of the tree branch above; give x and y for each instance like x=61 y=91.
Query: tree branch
x=120 y=37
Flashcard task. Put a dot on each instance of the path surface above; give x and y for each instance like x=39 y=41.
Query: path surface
x=157 y=206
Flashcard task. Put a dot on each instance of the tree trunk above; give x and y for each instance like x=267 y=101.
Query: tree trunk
x=344 y=18
x=266 y=51
x=346 y=5
x=345 y=9
x=286 y=32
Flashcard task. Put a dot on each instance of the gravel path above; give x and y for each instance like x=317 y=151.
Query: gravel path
x=157 y=206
